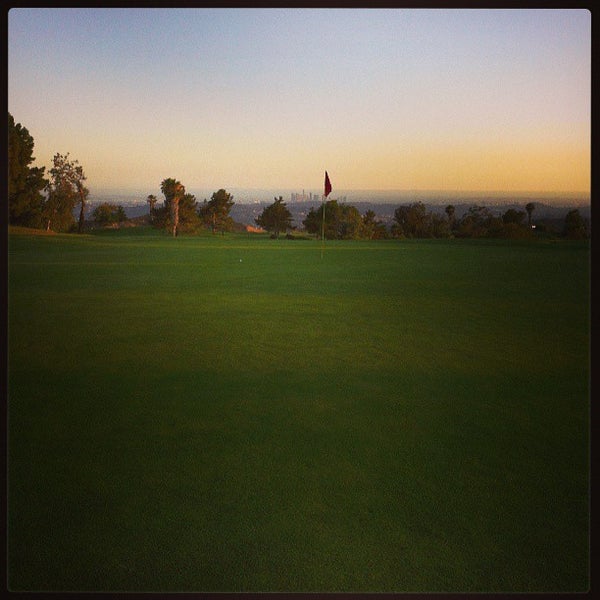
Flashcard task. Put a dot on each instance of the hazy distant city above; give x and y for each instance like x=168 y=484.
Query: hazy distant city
x=256 y=196
x=249 y=203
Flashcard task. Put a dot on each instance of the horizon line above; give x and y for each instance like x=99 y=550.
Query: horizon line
x=137 y=190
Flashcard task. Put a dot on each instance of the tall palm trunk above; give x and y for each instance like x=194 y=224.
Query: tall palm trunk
x=175 y=215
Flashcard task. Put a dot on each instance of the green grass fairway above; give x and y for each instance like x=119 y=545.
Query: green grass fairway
x=240 y=414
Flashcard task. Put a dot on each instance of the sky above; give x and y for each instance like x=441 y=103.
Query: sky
x=386 y=99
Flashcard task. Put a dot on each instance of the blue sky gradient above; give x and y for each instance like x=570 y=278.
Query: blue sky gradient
x=382 y=99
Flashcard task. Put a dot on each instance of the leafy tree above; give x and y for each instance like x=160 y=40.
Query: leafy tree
x=66 y=189
x=215 y=213
x=58 y=208
x=496 y=228
x=312 y=221
x=25 y=183
x=575 y=227
x=189 y=221
x=349 y=223
x=106 y=213
x=342 y=221
x=372 y=229
x=513 y=226
x=412 y=221
x=275 y=218
x=103 y=213
x=529 y=207
x=513 y=216
x=475 y=223
x=440 y=227
x=368 y=224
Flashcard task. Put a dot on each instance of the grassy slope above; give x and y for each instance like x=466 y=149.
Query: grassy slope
x=391 y=417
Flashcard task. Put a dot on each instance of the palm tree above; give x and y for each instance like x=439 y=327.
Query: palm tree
x=173 y=191
x=529 y=208
x=151 y=200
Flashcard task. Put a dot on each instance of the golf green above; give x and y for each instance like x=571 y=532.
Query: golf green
x=240 y=414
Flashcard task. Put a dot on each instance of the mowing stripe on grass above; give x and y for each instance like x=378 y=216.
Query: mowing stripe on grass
x=379 y=421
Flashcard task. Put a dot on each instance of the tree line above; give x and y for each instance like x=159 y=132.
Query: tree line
x=35 y=200
x=182 y=213
x=49 y=201
x=342 y=221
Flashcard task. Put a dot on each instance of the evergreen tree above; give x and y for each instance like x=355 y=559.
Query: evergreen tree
x=25 y=183
x=275 y=218
x=215 y=213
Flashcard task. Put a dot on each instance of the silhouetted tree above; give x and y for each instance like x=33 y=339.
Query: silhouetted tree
x=372 y=229
x=513 y=226
x=67 y=179
x=475 y=222
x=342 y=221
x=215 y=213
x=350 y=223
x=412 y=221
x=106 y=213
x=440 y=227
x=513 y=216
x=574 y=227
x=65 y=190
x=275 y=217
x=25 y=183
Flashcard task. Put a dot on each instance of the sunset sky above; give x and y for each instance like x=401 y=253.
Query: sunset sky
x=420 y=99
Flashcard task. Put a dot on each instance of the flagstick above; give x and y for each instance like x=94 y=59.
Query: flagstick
x=323 y=227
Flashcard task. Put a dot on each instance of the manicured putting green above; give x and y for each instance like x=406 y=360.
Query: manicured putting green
x=241 y=414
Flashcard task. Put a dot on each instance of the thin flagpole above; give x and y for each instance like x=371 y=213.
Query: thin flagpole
x=323 y=225
x=326 y=192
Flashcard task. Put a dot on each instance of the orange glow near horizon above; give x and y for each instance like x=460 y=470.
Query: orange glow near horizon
x=454 y=100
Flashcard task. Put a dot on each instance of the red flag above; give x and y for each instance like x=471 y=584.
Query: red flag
x=327 y=185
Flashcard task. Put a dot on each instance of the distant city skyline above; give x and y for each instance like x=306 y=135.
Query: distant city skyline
x=450 y=100
x=265 y=196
